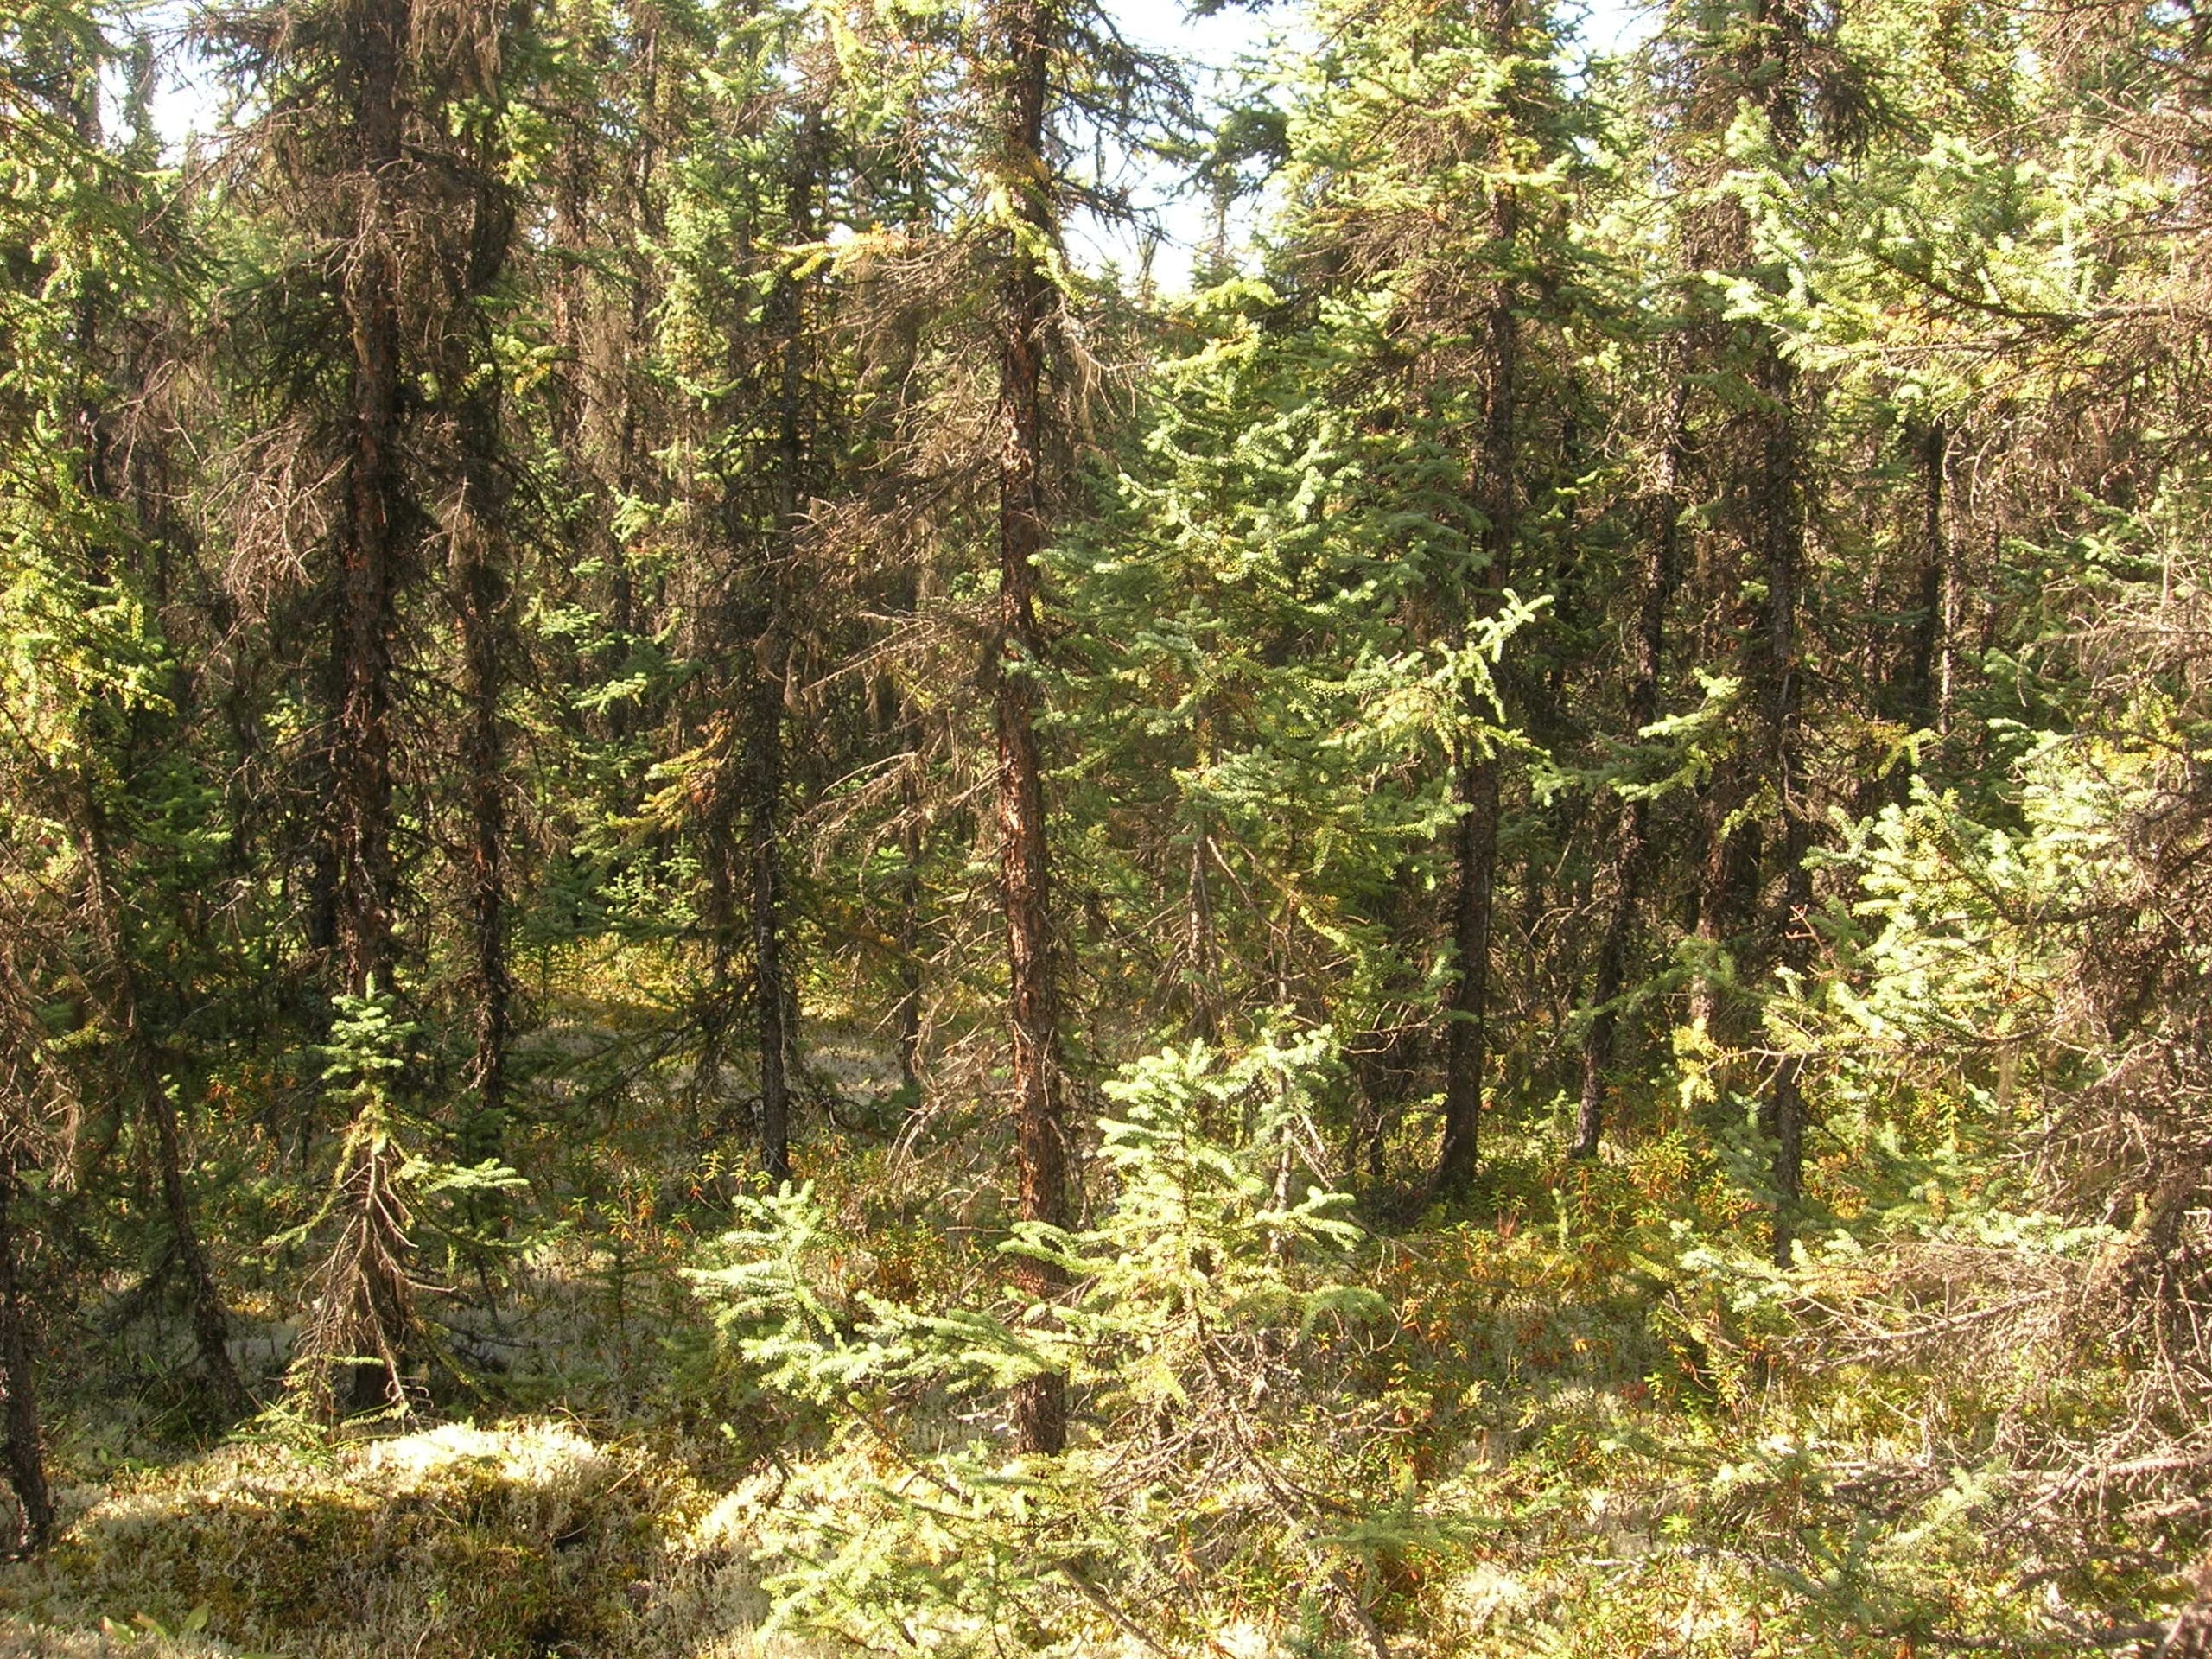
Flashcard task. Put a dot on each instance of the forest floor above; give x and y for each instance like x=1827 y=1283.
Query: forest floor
x=1614 y=1432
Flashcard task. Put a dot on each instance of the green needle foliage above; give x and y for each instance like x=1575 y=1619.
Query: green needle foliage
x=1403 y=854
x=1216 y=1284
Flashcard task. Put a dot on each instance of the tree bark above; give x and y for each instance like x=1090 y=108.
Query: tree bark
x=25 y=1446
x=772 y=654
x=1926 y=696
x=1025 y=302
x=480 y=599
x=1466 y=1050
x=909 y=904
x=1475 y=852
x=631 y=444
x=365 y=613
x=1727 y=890
x=482 y=582
x=1781 y=506
x=364 y=1274
x=769 y=991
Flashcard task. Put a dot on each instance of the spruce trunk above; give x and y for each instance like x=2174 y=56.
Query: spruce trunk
x=1026 y=303
x=1468 y=1041
x=765 y=731
x=25 y=1447
x=1663 y=562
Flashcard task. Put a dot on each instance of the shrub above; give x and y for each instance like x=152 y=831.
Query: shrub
x=1213 y=1300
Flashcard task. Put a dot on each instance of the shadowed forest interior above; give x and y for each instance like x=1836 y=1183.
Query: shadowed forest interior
x=871 y=826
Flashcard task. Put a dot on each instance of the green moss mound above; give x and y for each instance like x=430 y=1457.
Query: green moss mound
x=524 y=1540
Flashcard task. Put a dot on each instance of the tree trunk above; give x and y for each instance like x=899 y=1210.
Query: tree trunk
x=1026 y=303
x=1781 y=505
x=1662 y=563
x=1782 y=485
x=1466 y=1053
x=365 y=613
x=771 y=654
x=1727 y=890
x=480 y=599
x=909 y=904
x=1467 y=1040
x=117 y=986
x=632 y=447
x=364 y=1278
x=118 y=994
x=481 y=573
x=210 y=1322
x=765 y=774
x=1926 y=699
x=25 y=1447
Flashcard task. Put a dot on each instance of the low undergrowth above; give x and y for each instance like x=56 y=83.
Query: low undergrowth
x=1581 y=1414
x=1695 y=1456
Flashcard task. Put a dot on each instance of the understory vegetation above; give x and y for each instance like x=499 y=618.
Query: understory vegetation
x=747 y=908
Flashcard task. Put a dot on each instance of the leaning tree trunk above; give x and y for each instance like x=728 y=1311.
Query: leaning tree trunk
x=117 y=994
x=1025 y=316
x=116 y=989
